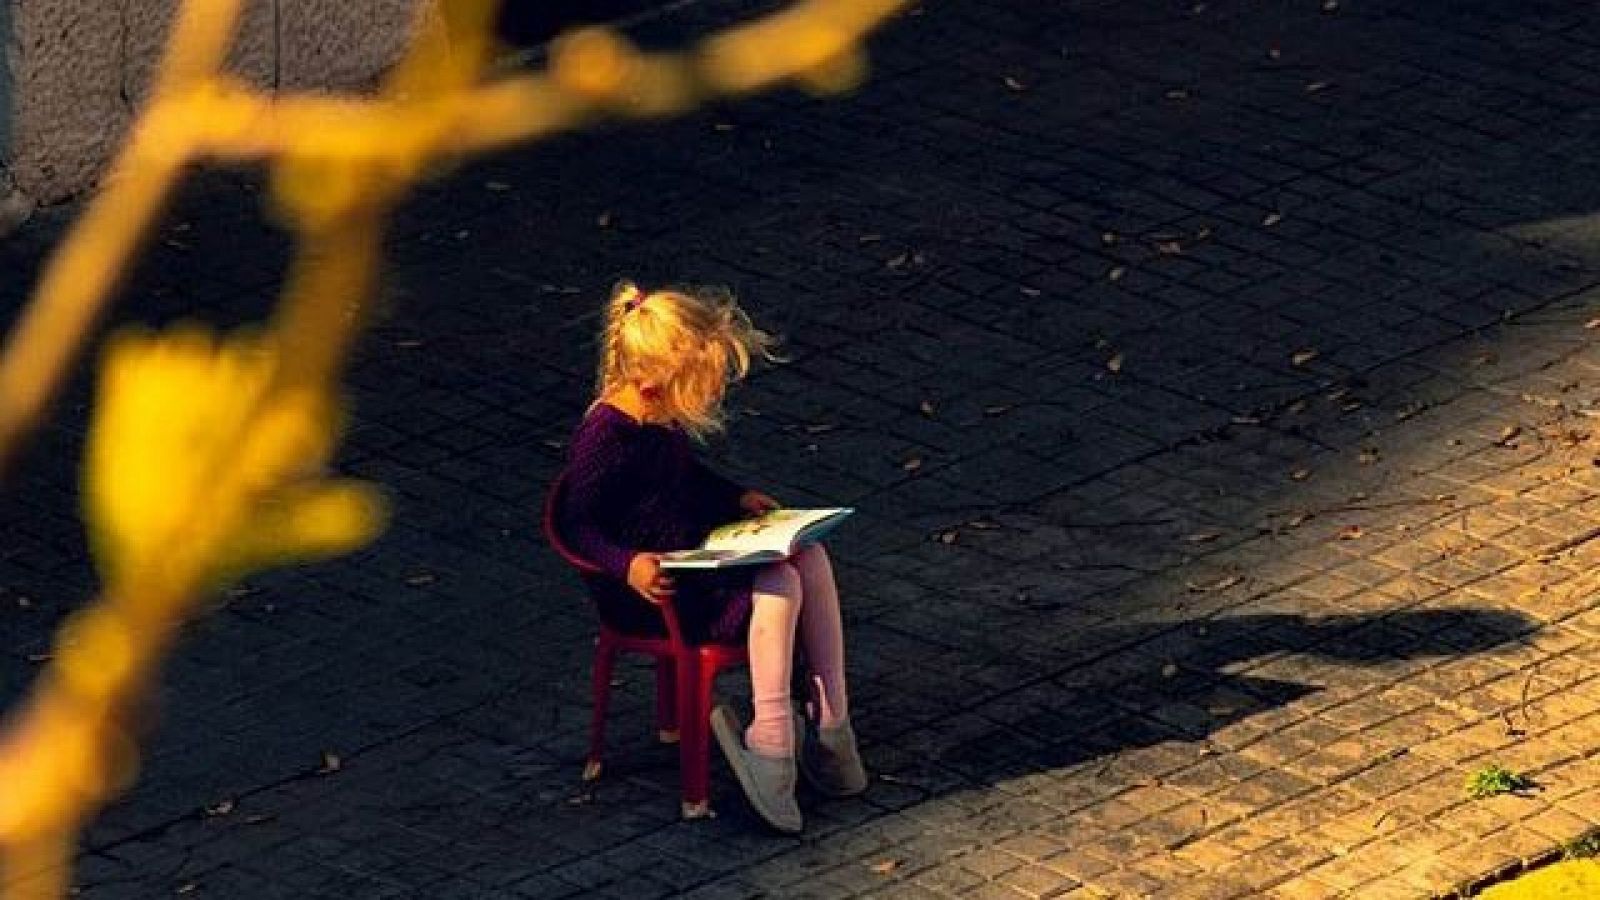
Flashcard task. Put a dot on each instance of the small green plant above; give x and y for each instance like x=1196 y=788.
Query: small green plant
x=1496 y=779
x=1583 y=846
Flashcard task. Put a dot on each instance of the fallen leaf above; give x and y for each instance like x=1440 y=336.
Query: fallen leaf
x=1592 y=324
x=912 y=464
x=886 y=866
x=1218 y=584
x=870 y=238
x=1177 y=94
x=1330 y=5
x=1246 y=420
x=1117 y=272
x=1272 y=219
x=1202 y=537
x=1030 y=291
x=1015 y=84
x=1508 y=434
x=947 y=535
x=330 y=763
x=1274 y=52
x=1350 y=532
x=1169 y=670
x=1115 y=363
x=997 y=409
x=983 y=525
x=899 y=260
x=188 y=887
x=722 y=126
x=220 y=809
x=820 y=428
x=1300 y=474
x=1169 y=248
x=497 y=186
x=1317 y=87
x=1301 y=357
x=421 y=578
x=1299 y=519
x=258 y=818
x=603 y=220
x=926 y=408
x=1109 y=238
x=408 y=344
x=1299 y=406
x=40 y=657
x=1367 y=456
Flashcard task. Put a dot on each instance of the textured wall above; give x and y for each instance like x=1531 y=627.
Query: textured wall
x=80 y=68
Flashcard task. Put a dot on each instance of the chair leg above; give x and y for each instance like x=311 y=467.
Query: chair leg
x=694 y=727
x=605 y=657
x=667 y=700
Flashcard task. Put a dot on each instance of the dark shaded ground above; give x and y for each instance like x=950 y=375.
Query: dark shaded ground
x=1153 y=660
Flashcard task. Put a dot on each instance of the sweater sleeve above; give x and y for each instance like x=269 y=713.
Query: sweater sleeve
x=722 y=494
x=595 y=475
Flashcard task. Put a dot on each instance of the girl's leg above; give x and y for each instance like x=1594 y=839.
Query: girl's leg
x=822 y=635
x=777 y=606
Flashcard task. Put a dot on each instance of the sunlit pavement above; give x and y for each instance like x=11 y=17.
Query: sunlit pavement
x=1215 y=387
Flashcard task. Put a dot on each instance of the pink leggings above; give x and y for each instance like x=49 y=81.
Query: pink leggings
x=799 y=591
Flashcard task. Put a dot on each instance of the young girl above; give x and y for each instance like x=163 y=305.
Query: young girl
x=635 y=489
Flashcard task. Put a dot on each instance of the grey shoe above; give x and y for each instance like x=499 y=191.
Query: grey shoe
x=768 y=783
x=829 y=759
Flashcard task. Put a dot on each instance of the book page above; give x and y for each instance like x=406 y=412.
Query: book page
x=774 y=531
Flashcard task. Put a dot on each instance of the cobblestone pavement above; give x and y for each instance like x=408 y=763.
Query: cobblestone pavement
x=1216 y=385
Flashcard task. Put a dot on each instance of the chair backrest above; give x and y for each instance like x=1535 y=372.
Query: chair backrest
x=552 y=534
x=552 y=531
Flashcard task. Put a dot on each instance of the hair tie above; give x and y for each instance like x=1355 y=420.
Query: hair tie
x=633 y=297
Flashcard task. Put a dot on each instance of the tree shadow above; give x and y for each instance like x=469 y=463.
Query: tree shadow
x=1179 y=684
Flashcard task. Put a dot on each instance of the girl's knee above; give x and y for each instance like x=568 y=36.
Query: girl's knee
x=812 y=559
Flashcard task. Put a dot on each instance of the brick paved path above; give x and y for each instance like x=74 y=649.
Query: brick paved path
x=1215 y=387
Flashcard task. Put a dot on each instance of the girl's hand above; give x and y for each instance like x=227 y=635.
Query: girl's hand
x=646 y=577
x=755 y=503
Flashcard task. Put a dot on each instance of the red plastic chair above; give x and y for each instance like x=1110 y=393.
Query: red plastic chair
x=685 y=674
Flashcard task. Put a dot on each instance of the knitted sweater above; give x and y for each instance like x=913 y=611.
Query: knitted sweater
x=634 y=487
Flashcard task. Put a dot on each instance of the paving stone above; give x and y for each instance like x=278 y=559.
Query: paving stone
x=1015 y=683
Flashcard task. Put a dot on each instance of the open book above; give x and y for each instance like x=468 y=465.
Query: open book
x=769 y=537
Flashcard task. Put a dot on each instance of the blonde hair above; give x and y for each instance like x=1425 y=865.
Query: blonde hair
x=690 y=342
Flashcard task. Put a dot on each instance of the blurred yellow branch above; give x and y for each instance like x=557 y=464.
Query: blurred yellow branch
x=206 y=454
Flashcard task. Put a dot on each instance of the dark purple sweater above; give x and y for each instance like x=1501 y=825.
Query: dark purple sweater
x=634 y=487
